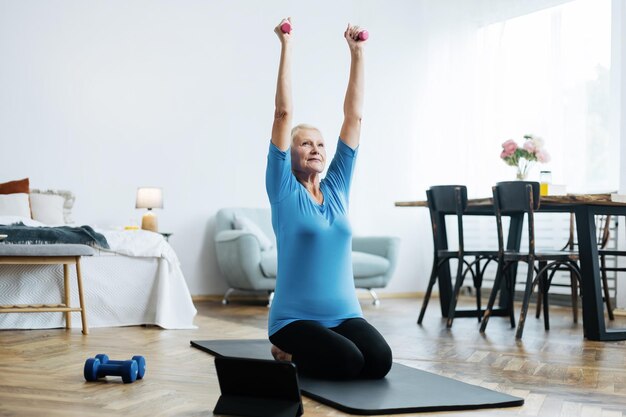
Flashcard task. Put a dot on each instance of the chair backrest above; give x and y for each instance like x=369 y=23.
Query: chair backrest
x=604 y=224
x=516 y=197
x=513 y=196
x=604 y=228
x=262 y=217
x=444 y=200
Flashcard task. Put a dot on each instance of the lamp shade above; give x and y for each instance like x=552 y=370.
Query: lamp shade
x=149 y=197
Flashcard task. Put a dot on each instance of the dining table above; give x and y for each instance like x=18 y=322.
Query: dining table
x=585 y=207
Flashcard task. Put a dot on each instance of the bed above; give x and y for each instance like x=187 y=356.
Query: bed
x=137 y=281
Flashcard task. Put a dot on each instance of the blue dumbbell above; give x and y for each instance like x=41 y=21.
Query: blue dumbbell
x=94 y=369
x=141 y=363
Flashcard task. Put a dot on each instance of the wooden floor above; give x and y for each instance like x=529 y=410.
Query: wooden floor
x=557 y=372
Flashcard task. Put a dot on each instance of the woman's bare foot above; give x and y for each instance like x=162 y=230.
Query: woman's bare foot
x=279 y=355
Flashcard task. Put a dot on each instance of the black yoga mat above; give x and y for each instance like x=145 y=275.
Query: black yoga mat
x=403 y=390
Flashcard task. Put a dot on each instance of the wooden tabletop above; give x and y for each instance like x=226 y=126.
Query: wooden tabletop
x=595 y=199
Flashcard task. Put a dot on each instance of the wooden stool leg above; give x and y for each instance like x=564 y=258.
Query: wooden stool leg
x=67 y=301
x=83 y=312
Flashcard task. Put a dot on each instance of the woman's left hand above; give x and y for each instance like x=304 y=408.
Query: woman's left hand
x=352 y=37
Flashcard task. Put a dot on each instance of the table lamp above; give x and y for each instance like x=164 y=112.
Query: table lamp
x=149 y=198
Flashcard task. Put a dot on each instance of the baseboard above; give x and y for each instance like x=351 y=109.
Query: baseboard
x=619 y=312
x=233 y=297
x=361 y=294
x=364 y=294
x=206 y=297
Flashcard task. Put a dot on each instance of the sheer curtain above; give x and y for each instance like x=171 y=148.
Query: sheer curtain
x=490 y=74
x=492 y=70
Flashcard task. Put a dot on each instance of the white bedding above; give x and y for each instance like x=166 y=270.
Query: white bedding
x=137 y=281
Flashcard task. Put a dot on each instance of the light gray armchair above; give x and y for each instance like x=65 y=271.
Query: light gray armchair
x=247 y=267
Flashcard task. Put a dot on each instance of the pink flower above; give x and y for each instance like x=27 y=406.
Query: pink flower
x=543 y=156
x=509 y=147
x=529 y=146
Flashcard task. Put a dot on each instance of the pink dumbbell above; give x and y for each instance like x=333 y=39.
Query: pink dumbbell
x=363 y=35
x=286 y=28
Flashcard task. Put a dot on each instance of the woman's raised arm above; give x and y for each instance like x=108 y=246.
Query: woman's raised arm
x=353 y=104
x=281 y=129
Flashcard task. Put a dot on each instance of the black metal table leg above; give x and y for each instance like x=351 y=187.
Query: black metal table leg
x=593 y=307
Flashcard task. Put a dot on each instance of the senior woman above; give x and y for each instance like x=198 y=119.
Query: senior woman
x=315 y=319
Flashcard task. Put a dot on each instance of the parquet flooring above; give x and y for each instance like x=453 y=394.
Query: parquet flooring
x=557 y=372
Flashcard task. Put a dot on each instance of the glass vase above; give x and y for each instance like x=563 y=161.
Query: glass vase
x=521 y=175
x=523 y=169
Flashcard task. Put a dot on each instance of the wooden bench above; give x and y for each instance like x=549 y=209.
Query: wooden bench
x=53 y=254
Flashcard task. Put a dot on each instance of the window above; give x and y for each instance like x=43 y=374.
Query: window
x=547 y=74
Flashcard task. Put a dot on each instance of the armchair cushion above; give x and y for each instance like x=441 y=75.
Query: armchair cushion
x=370 y=282
x=269 y=263
x=364 y=265
x=243 y=223
x=246 y=266
x=367 y=265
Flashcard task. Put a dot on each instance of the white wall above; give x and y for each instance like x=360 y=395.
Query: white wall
x=101 y=97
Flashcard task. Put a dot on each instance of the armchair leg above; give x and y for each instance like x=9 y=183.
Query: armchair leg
x=228 y=293
x=376 y=301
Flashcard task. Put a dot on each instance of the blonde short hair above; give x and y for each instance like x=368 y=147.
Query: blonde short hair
x=302 y=126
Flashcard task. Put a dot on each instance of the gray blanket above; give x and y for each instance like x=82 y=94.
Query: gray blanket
x=83 y=235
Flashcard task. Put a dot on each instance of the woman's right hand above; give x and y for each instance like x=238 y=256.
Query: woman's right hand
x=284 y=37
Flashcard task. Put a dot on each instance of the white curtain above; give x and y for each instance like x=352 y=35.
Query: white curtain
x=492 y=71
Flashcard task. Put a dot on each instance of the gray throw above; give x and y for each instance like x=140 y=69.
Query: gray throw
x=83 y=235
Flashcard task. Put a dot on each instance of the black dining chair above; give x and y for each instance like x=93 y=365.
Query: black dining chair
x=522 y=198
x=603 y=252
x=570 y=246
x=452 y=200
x=603 y=226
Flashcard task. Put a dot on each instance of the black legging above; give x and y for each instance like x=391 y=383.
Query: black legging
x=354 y=349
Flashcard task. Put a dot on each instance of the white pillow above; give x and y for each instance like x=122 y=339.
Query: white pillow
x=47 y=208
x=69 y=198
x=244 y=223
x=14 y=205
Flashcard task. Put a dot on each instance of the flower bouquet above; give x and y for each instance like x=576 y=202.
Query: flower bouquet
x=525 y=156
